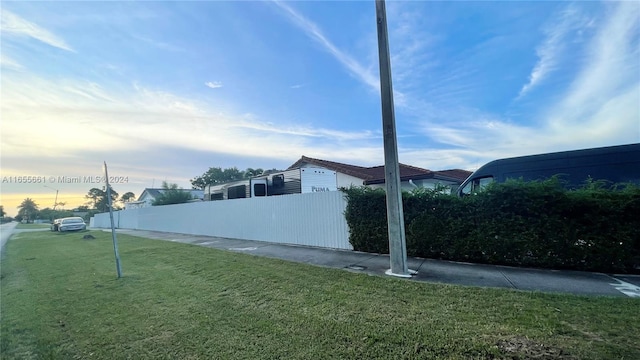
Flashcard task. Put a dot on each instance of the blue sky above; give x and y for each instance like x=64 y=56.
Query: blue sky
x=165 y=90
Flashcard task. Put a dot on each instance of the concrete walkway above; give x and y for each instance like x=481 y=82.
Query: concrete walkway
x=429 y=270
x=6 y=230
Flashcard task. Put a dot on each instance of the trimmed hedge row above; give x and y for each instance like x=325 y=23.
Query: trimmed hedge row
x=534 y=224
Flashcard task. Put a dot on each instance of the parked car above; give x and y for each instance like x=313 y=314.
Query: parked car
x=54 y=224
x=71 y=224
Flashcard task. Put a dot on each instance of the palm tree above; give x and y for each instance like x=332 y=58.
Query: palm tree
x=172 y=195
x=27 y=209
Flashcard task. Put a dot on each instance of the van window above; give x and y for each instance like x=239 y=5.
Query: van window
x=476 y=185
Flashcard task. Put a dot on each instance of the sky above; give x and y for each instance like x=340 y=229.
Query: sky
x=161 y=91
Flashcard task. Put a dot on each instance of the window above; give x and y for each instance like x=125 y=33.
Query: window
x=278 y=181
x=481 y=183
x=476 y=185
x=237 y=192
x=259 y=189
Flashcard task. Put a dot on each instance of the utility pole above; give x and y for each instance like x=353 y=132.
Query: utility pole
x=113 y=230
x=395 y=214
x=55 y=202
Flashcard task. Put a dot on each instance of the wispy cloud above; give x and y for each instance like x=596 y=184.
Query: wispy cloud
x=9 y=63
x=552 y=48
x=599 y=108
x=214 y=84
x=94 y=114
x=13 y=24
x=604 y=95
x=307 y=132
x=158 y=44
x=364 y=74
x=314 y=32
x=413 y=44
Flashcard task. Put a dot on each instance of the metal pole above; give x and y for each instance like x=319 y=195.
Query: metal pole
x=113 y=230
x=395 y=215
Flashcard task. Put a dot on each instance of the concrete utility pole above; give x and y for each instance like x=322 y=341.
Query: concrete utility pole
x=395 y=214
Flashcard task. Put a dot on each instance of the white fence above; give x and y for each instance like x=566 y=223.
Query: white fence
x=315 y=219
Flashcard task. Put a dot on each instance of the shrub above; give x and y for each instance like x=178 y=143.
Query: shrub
x=366 y=215
x=539 y=224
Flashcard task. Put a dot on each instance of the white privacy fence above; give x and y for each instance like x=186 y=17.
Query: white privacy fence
x=314 y=219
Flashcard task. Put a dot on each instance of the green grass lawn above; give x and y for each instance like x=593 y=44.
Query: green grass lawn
x=61 y=300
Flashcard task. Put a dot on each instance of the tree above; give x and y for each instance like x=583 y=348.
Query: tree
x=252 y=172
x=94 y=194
x=100 y=200
x=27 y=210
x=3 y=218
x=87 y=217
x=103 y=203
x=126 y=197
x=51 y=214
x=171 y=194
x=220 y=176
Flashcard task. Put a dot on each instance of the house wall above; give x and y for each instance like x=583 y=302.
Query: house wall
x=346 y=181
x=134 y=205
x=148 y=199
x=342 y=180
x=313 y=219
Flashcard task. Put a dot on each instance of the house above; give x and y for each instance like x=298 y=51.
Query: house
x=149 y=195
x=410 y=176
x=310 y=175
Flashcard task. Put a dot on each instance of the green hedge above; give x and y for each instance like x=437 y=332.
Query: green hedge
x=536 y=224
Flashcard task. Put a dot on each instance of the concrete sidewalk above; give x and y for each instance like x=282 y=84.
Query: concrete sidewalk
x=429 y=270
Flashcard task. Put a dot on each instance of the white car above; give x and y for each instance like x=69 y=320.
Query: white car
x=71 y=224
x=54 y=224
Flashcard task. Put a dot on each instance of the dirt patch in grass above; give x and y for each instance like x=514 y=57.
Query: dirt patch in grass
x=519 y=347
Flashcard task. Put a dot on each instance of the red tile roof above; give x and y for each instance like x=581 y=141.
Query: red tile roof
x=457 y=174
x=375 y=174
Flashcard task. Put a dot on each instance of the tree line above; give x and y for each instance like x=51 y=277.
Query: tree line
x=217 y=175
x=97 y=202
